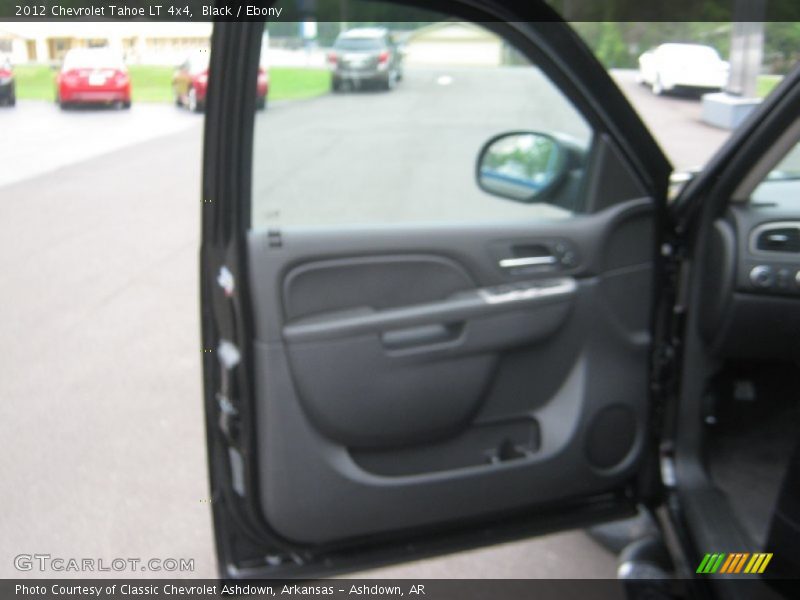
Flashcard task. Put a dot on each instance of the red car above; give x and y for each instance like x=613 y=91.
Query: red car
x=7 y=91
x=190 y=82
x=93 y=76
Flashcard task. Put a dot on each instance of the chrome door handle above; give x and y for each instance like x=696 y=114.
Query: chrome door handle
x=527 y=261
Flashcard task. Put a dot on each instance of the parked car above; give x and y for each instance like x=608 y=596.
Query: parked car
x=8 y=95
x=396 y=389
x=190 y=83
x=93 y=76
x=363 y=57
x=686 y=66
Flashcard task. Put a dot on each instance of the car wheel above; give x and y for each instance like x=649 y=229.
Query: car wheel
x=126 y=105
x=658 y=87
x=191 y=100
x=12 y=101
x=391 y=82
x=336 y=85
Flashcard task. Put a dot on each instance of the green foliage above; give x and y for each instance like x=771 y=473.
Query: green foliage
x=782 y=46
x=530 y=158
x=620 y=44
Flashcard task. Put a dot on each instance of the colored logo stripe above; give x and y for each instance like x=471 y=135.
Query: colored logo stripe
x=734 y=562
x=710 y=563
x=758 y=563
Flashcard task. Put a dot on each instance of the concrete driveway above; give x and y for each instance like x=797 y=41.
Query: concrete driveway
x=100 y=385
x=676 y=122
x=40 y=137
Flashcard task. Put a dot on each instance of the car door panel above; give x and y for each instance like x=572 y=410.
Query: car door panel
x=395 y=389
x=387 y=378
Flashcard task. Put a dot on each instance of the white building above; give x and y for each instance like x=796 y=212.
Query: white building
x=454 y=43
x=458 y=43
x=140 y=43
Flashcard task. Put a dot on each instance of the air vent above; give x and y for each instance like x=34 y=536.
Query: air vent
x=779 y=237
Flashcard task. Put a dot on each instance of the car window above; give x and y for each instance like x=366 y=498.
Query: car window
x=360 y=153
x=92 y=59
x=359 y=43
x=788 y=168
x=783 y=182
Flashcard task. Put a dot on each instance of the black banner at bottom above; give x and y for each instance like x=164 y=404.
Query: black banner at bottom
x=380 y=589
x=334 y=589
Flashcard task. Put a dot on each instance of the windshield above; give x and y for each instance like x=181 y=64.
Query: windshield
x=788 y=168
x=670 y=71
x=780 y=185
x=92 y=59
x=356 y=43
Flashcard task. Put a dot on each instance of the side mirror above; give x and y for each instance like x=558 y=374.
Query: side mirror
x=522 y=166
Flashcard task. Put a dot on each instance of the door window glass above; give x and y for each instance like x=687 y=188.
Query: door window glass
x=394 y=130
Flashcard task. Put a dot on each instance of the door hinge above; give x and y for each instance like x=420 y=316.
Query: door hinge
x=229 y=421
x=666 y=340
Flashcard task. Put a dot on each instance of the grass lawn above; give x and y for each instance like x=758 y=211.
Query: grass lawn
x=150 y=84
x=35 y=82
x=153 y=83
x=766 y=83
x=288 y=83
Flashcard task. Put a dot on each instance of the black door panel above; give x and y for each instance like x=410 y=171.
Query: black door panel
x=400 y=388
x=428 y=364
x=379 y=282
x=406 y=368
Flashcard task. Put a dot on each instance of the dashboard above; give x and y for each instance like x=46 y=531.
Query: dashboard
x=751 y=296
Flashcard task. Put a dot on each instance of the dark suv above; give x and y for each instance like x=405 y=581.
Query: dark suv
x=365 y=56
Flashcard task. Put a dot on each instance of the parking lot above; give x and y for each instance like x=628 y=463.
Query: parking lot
x=101 y=389
x=676 y=122
x=41 y=138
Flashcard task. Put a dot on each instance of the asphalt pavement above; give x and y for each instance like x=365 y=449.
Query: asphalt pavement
x=676 y=121
x=403 y=156
x=100 y=383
